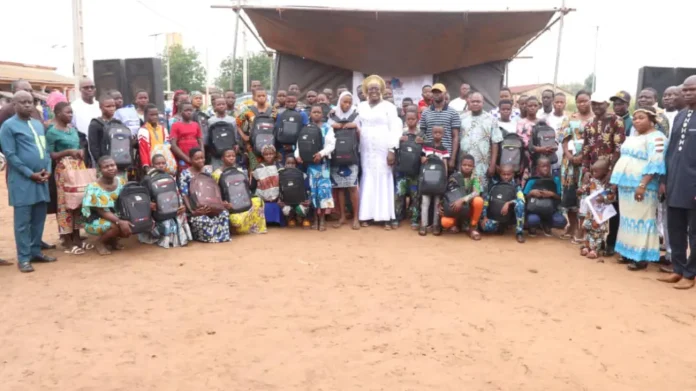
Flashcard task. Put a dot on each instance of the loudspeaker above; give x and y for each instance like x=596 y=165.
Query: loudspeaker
x=145 y=74
x=657 y=78
x=683 y=73
x=109 y=75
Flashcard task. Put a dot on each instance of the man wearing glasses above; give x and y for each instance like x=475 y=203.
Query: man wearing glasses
x=85 y=109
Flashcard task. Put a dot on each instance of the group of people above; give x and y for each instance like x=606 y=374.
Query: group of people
x=615 y=181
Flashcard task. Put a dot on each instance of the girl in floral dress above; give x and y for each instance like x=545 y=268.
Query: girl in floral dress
x=206 y=226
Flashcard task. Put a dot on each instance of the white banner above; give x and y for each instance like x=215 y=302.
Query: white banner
x=403 y=87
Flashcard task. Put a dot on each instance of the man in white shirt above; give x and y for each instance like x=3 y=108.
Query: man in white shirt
x=547 y=99
x=85 y=109
x=555 y=120
x=673 y=102
x=460 y=104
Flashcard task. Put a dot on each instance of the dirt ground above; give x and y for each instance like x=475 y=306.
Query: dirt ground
x=342 y=310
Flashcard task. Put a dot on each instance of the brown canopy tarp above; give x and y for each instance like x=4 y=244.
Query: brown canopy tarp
x=397 y=42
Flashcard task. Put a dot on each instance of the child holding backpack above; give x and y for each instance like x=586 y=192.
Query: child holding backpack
x=344 y=163
x=96 y=138
x=265 y=184
x=225 y=121
x=252 y=221
x=99 y=208
x=318 y=168
x=298 y=120
x=504 y=195
x=207 y=225
x=467 y=187
x=254 y=118
x=543 y=195
x=407 y=185
x=169 y=233
x=186 y=135
x=296 y=213
x=435 y=149
x=153 y=140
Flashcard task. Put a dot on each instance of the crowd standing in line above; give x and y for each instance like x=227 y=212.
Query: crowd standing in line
x=443 y=165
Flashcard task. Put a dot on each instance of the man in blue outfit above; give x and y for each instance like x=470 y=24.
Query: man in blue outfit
x=29 y=164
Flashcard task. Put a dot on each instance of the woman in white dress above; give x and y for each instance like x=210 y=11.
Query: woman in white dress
x=380 y=129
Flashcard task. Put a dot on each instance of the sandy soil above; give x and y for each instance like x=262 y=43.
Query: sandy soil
x=367 y=310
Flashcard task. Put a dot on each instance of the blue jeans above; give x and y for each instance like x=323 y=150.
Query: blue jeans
x=28 y=229
x=556 y=221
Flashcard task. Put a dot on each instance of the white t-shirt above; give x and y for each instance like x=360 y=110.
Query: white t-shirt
x=459 y=104
x=84 y=113
x=555 y=122
x=671 y=115
x=508 y=127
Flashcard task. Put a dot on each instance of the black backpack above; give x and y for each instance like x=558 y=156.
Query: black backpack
x=310 y=142
x=501 y=193
x=222 y=137
x=202 y=119
x=433 y=179
x=163 y=192
x=290 y=126
x=262 y=130
x=409 y=157
x=292 y=186
x=449 y=198
x=346 y=151
x=512 y=152
x=117 y=143
x=234 y=186
x=545 y=136
x=544 y=207
x=133 y=204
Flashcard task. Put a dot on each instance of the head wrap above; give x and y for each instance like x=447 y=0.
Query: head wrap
x=650 y=111
x=175 y=101
x=196 y=93
x=374 y=79
x=339 y=110
x=54 y=98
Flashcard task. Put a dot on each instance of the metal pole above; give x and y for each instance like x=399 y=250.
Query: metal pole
x=245 y=64
x=234 y=46
x=594 y=68
x=207 y=77
x=78 y=44
x=558 y=47
x=169 y=76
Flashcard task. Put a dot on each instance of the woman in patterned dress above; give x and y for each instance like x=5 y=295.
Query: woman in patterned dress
x=636 y=174
x=99 y=208
x=63 y=143
x=571 y=165
x=206 y=226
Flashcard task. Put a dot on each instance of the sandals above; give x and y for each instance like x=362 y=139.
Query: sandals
x=437 y=230
x=592 y=255
x=365 y=224
x=75 y=250
x=338 y=224
x=5 y=263
x=388 y=227
x=422 y=231
x=356 y=225
x=636 y=266
x=292 y=224
x=474 y=235
x=322 y=226
x=565 y=236
x=577 y=242
x=520 y=238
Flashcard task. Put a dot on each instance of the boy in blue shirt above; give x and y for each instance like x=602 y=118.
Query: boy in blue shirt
x=543 y=194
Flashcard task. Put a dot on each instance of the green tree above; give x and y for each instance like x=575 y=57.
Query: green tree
x=572 y=87
x=186 y=70
x=259 y=69
x=588 y=82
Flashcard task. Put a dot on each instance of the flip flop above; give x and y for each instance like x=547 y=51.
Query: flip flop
x=75 y=250
x=5 y=263
x=356 y=225
x=87 y=246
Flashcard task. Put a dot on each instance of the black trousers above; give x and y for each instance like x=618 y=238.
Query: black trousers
x=681 y=227
x=613 y=227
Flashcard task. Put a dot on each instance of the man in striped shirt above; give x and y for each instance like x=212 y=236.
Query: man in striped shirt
x=440 y=114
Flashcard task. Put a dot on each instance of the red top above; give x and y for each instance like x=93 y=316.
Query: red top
x=186 y=135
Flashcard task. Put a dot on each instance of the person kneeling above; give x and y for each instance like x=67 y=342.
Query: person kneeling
x=462 y=204
x=99 y=206
x=543 y=194
x=502 y=196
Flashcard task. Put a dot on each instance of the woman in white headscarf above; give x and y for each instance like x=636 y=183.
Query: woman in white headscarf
x=380 y=130
x=343 y=121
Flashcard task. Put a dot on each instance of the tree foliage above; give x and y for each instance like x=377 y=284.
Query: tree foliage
x=588 y=82
x=575 y=87
x=186 y=70
x=259 y=69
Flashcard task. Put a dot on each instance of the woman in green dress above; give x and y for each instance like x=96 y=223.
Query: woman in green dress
x=63 y=143
x=99 y=208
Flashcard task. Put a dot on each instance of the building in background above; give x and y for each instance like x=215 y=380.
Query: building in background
x=537 y=89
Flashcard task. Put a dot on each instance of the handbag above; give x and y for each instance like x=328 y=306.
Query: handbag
x=74 y=184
